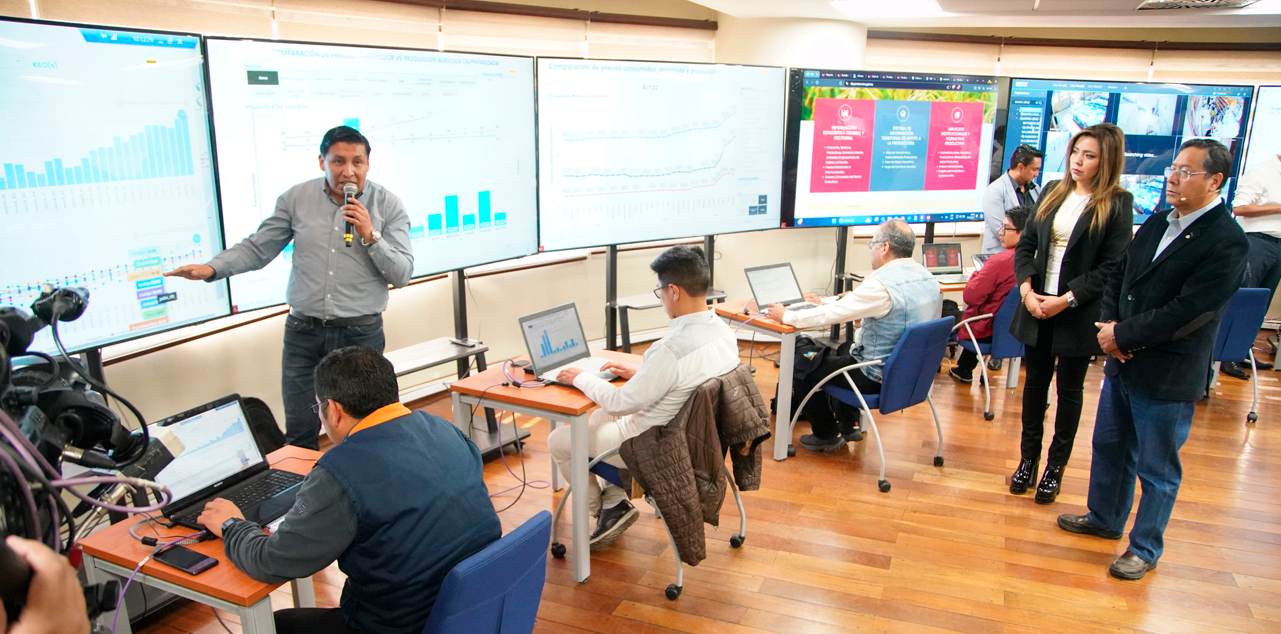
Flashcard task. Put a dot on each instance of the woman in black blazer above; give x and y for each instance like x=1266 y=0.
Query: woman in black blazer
x=1078 y=235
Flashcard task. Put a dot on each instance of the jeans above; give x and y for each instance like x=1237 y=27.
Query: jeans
x=1262 y=263
x=1040 y=364
x=1137 y=435
x=822 y=410
x=312 y=621
x=306 y=343
x=603 y=433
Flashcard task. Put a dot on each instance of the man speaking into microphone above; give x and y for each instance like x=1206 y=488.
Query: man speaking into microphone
x=351 y=239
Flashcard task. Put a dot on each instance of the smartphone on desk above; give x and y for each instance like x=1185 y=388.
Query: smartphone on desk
x=186 y=560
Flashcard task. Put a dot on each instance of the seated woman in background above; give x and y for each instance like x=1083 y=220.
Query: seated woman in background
x=987 y=289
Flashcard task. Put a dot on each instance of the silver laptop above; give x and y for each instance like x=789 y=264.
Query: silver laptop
x=943 y=259
x=221 y=459
x=774 y=284
x=555 y=341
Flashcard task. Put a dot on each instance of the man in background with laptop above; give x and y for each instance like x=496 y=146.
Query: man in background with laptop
x=398 y=501
x=699 y=348
x=899 y=293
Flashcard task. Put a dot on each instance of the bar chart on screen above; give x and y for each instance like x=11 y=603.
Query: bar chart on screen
x=106 y=178
x=451 y=136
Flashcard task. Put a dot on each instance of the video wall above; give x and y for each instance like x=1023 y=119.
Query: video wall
x=1156 y=119
x=496 y=156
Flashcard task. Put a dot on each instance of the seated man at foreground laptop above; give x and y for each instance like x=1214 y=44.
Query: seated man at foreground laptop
x=699 y=348
x=899 y=293
x=398 y=501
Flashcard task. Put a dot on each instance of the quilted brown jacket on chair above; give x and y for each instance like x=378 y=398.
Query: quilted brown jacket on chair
x=680 y=464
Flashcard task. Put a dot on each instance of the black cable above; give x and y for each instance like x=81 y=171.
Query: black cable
x=520 y=451
x=53 y=377
x=219 y=617
x=477 y=404
x=142 y=421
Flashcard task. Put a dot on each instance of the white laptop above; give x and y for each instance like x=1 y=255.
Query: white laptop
x=555 y=341
x=774 y=284
x=943 y=259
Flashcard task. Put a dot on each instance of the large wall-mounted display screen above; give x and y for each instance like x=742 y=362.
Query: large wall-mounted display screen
x=866 y=146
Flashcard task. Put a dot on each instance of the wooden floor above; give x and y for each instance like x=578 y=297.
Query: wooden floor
x=946 y=550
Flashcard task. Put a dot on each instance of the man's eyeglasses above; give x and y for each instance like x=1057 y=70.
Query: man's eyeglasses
x=319 y=405
x=1183 y=173
x=872 y=244
x=1006 y=229
x=658 y=292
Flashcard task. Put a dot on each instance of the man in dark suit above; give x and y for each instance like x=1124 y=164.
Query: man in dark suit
x=1161 y=313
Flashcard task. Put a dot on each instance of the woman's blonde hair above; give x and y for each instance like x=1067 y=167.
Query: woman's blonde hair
x=1107 y=181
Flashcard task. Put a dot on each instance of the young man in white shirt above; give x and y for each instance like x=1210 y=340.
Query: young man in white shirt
x=1257 y=206
x=699 y=348
x=899 y=293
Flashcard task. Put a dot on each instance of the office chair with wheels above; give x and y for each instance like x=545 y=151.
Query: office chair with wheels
x=907 y=380
x=1241 y=323
x=499 y=588
x=1003 y=345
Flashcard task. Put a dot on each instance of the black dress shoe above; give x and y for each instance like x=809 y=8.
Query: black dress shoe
x=1130 y=566
x=1082 y=524
x=1048 y=490
x=1023 y=476
x=814 y=443
x=1234 y=370
x=994 y=365
x=1261 y=365
x=612 y=522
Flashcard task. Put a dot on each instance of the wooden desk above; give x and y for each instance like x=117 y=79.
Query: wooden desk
x=952 y=288
x=732 y=313
x=555 y=403
x=112 y=554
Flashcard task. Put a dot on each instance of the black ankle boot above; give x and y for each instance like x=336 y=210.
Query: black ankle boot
x=1023 y=476
x=1048 y=490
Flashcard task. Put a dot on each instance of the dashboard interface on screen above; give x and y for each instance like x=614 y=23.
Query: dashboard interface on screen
x=452 y=135
x=866 y=146
x=1265 y=131
x=1156 y=119
x=108 y=178
x=633 y=151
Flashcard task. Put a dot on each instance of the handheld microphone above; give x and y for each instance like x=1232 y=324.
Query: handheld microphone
x=349 y=193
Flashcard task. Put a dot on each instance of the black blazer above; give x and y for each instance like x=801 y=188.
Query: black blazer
x=1168 y=310
x=1087 y=263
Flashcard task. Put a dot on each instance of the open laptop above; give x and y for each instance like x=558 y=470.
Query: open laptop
x=943 y=259
x=555 y=341
x=221 y=459
x=774 y=284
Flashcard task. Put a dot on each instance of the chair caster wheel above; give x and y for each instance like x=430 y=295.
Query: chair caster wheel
x=989 y=415
x=791 y=451
x=736 y=541
x=558 y=550
x=883 y=485
x=1252 y=418
x=673 y=591
x=938 y=461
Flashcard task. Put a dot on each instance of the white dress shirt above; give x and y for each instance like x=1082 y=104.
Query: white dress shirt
x=1260 y=185
x=870 y=299
x=1177 y=225
x=667 y=377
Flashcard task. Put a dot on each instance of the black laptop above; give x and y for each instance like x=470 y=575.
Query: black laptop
x=221 y=459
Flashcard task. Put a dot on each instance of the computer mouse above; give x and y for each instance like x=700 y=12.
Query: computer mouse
x=802 y=306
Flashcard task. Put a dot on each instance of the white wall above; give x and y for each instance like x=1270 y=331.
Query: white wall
x=797 y=43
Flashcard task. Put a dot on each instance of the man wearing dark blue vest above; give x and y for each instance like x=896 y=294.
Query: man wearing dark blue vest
x=398 y=501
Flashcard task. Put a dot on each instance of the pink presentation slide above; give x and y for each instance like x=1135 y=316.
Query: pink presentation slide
x=842 y=159
x=953 y=145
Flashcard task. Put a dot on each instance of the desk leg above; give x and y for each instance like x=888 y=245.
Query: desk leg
x=462 y=414
x=121 y=615
x=304 y=592
x=578 y=501
x=257 y=619
x=558 y=482
x=1012 y=374
x=782 y=421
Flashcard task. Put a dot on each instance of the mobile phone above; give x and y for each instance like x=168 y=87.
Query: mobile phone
x=186 y=560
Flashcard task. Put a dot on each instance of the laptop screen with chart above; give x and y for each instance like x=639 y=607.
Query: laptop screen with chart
x=451 y=134
x=554 y=337
x=774 y=284
x=106 y=178
x=218 y=444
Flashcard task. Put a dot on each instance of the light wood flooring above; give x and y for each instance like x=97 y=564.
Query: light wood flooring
x=946 y=550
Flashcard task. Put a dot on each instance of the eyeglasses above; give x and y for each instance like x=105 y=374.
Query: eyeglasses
x=319 y=405
x=1006 y=229
x=1183 y=173
x=658 y=292
x=872 y=244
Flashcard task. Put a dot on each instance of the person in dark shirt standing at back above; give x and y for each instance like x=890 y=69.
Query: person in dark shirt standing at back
x=398 y=501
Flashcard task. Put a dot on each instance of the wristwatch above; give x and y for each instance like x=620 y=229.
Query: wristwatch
x=1072 y=303
x=376 y=235
x=231 y=521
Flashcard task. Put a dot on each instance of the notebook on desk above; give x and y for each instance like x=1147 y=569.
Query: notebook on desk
x=221 y=459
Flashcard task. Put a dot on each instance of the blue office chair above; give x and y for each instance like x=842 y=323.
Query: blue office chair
x=1241 y=323
x=906 y=380
x=1003 y=346
x=498 y=589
